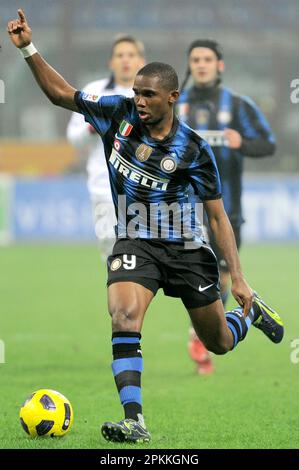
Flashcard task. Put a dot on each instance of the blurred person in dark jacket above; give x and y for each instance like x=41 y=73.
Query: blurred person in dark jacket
x=234 y=127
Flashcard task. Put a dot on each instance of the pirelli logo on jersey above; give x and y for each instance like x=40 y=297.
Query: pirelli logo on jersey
x=133 y=173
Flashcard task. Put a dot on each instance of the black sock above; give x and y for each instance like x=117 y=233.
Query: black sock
x=238 y=324
x=127 y=366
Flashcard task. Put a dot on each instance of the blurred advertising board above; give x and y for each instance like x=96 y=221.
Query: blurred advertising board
x=59 y=209
x=5 y=209
x=52 y=210
x=271 y=208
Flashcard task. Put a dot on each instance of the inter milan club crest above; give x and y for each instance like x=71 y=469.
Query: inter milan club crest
x=168 y=164
x=143 y=152
x=116 y=264
x=125 y=128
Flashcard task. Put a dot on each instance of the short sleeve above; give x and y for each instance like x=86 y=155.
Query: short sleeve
x=98 y=111
x=204 y=176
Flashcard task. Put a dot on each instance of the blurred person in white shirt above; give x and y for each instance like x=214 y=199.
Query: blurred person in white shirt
x=127 y=57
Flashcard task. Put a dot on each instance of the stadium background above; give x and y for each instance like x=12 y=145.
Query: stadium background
x=47 y=283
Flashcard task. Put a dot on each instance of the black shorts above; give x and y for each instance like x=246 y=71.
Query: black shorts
x=191 y=275
x=221 y=261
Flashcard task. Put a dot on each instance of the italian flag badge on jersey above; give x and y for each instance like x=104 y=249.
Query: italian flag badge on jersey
x=125 y=128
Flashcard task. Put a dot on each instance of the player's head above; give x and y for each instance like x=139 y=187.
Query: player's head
x=205 y=62
x=156 y=90
x=127 y=57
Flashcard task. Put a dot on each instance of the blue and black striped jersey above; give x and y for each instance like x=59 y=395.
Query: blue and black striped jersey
x=211 y=110
x=148 y=175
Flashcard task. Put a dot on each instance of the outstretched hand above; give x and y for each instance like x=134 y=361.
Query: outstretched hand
x=19 y=31
x=243 y=294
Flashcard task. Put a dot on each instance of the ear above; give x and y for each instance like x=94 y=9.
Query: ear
x=221 y=66
x=173 y=96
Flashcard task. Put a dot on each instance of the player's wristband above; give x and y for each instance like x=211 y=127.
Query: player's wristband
x=28 y=51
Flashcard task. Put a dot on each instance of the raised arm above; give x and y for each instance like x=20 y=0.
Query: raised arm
x=225 y=239
x=55 y=87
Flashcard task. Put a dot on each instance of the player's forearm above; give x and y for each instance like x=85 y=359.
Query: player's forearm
x=225 y=239
x=55 y=87
x=257 y=148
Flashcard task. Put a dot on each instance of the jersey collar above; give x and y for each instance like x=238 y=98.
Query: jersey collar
x=167 y=138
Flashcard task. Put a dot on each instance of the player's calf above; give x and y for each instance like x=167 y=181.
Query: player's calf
x=210 y=326
x=127 y=305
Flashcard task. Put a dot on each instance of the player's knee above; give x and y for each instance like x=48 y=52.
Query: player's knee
x=124 y=318
x=222 y=347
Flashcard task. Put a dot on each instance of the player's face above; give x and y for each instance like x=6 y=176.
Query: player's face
x=125 y=62
x=153 y=102
x=204 y=65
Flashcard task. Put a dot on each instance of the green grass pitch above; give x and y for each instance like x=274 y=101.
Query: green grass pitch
x=56 y=331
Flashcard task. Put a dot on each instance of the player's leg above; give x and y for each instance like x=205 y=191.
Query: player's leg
x=133 y=280
x=218 y=330
x=128 y=302
x=197 y=350
x=221 y=331
x=201 y=297
x=212 y=328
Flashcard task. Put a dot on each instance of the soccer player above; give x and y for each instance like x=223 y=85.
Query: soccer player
x=234 y=127
x=127 y=57
x=152 y=158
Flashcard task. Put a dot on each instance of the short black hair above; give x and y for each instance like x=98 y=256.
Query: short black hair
x=209 y=44
x=166 y=74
